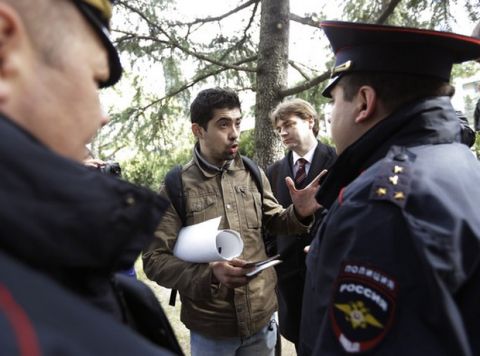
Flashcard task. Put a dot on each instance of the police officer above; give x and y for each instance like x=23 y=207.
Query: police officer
x=64 y=228
x=395 y=266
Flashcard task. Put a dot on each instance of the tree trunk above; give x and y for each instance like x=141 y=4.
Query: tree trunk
x=271 y=77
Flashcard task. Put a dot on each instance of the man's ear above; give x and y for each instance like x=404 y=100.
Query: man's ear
x=11 y=32
x=197 y=130
x=367 y=103
x=311 y=122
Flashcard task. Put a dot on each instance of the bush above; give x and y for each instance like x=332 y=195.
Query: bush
x=149 y=169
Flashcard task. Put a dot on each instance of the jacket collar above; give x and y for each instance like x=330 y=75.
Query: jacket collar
x=426 y=121
x=209 y=170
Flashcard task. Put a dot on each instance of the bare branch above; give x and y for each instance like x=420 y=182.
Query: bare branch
x=299 y=70
x=387 y=12
x=305 y=85
x=476 y=31
x=221 y=17
x=190 y=84
x=174 y=43
x=305 y=20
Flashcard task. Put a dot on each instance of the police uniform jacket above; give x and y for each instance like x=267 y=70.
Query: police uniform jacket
x=395 y=266
x=291 y=273
x=70 y=223
x=208 y=308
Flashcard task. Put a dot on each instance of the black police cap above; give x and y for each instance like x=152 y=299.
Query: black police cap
x=98 y=13
x=360 y=47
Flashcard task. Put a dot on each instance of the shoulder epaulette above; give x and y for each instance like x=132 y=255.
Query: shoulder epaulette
x=392 y=182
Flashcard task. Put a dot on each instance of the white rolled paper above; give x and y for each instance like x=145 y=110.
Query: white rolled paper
x=203 y=242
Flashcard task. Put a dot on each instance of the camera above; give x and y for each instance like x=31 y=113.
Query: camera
x=111 y=168
x=467 y=135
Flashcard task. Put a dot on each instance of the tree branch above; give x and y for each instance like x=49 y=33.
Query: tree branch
x=387 y=12
x=191 y=83
x=305 y=85
x=305 y=20
x=174 y=43
x=221 y=17
x=299 y=70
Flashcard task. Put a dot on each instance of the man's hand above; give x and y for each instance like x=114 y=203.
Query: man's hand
x=304 y=200
x=231 y=273
x=93 y=162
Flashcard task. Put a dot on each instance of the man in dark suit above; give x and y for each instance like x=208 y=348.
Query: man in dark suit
x=297 y=124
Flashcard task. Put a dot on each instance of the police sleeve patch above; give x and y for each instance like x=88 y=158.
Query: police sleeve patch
x=363 y=306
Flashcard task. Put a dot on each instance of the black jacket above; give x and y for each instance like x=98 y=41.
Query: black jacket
x=38 y=317
x=73 y=225
x=395 y=267
x=291 y=273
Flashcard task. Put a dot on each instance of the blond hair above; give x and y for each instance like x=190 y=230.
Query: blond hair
x=298 y=107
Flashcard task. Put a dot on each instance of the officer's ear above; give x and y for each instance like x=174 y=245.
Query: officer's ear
x=366 y=101
x=12 y=39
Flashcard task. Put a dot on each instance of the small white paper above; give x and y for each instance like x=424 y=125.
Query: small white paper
x=261 y=265
x=203 y=243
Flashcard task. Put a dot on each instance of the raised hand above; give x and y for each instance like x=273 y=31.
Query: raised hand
x=304 y=199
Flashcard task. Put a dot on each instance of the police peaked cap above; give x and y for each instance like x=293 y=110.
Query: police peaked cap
x=98 y=13
x=360 y=47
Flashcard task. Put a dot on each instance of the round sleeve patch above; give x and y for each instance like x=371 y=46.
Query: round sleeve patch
x=363 y=306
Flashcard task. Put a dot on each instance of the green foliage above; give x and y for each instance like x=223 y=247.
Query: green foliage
x=464 y=70
x=326 y=140
x=476 y=146
x=247 y=144
x=149 y=170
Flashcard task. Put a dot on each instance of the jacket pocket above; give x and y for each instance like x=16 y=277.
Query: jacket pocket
x=201 y=208
x=252 y=206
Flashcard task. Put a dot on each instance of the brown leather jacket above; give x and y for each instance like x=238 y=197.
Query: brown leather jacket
x=207 y=308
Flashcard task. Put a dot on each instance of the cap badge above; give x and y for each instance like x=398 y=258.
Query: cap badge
x=341 y=68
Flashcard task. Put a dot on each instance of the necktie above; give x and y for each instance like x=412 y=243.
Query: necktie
x=301 y=173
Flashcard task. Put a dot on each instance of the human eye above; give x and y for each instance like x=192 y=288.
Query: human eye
x=223 y=123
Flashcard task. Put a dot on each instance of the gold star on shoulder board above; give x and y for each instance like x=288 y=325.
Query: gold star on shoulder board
x=397 y=169
x=399 y=196
x=381 y=191
x=393 y=180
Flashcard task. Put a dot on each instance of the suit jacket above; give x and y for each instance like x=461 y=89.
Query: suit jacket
x=291 y=273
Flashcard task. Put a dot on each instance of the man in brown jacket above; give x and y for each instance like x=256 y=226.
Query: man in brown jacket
x=226 y=311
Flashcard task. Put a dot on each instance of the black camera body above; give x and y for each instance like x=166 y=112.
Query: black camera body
x=111 y=168
x=467 y=135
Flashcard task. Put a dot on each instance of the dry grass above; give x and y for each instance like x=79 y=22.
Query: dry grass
x=173 y=314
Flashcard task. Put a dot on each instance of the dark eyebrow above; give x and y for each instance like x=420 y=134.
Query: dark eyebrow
x=229 y=118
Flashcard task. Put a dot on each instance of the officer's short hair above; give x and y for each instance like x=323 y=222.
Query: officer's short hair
x=394 y=89
x=202 y=107
x=298 y=107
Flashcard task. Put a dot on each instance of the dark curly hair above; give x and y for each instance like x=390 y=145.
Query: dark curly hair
x=202 y=107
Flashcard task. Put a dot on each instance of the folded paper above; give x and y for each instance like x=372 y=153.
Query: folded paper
x=203 y=242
